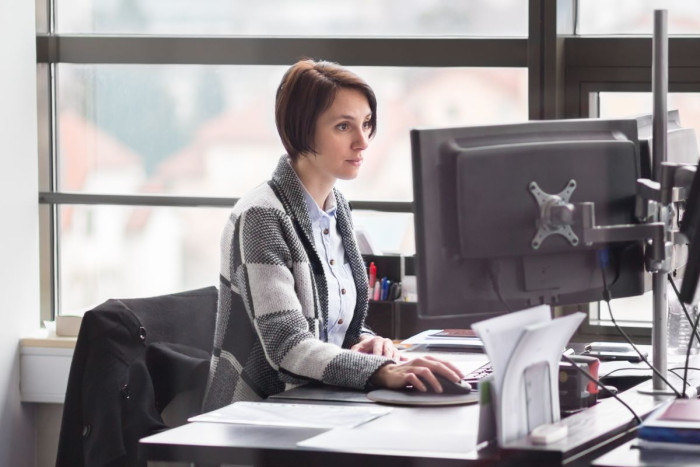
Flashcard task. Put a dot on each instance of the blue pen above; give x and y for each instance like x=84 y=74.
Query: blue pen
x=384 y=289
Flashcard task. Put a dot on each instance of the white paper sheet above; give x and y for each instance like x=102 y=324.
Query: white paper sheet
x=437 y=444
x=293 y=415
x=428 y=338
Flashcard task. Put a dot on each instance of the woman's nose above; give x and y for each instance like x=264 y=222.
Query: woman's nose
x=362 y=140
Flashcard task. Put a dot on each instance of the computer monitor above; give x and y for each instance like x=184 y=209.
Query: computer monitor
x=689 y=227
x=681 y=148
x=476 y=217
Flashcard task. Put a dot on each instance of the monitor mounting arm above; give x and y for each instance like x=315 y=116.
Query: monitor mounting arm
x=659 y=250
x=654 y=208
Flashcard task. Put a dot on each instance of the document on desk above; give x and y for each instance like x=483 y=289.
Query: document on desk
x=438 y=444
x=442 y=338
x=293 y=415
x=525 y=348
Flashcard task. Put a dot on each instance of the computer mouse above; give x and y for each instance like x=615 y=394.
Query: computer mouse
x=450 y=387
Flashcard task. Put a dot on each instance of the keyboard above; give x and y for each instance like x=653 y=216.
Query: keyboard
x=476 y=375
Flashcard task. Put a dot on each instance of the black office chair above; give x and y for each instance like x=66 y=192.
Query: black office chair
x=134 y=358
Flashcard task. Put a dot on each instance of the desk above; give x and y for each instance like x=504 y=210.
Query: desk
x=628 y=456
x=260 y=445
x=591 y=433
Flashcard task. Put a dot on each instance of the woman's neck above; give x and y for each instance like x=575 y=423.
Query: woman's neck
x=317 y=184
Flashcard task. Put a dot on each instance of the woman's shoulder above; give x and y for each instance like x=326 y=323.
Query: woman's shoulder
x=260 y=198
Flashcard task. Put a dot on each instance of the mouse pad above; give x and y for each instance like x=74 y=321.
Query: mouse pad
x=390 y=396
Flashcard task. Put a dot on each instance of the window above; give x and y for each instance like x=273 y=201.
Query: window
x=156 y=116
x=305 y=17
x=188 y=129
x=131 y=251
x=625 y=104
x=636 y=16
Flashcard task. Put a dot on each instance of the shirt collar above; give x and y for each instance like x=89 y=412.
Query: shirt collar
x=315 y=213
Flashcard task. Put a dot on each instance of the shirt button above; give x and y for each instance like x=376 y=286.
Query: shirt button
x=332 y=262
x=325 y=231
x=342 y=291
x=340 y=321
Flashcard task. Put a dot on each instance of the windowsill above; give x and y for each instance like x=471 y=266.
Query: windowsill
x=41 y=338
x=44 y=367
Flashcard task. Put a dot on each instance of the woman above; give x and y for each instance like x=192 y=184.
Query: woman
x=293 y=288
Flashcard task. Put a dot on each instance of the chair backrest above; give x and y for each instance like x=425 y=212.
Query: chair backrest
x=131 y=358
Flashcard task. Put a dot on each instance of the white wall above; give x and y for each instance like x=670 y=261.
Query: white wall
x=19 y=250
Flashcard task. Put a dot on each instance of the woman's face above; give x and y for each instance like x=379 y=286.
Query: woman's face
x=342 y=134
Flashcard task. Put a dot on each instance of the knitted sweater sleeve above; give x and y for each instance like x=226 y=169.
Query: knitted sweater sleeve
x=274 y=278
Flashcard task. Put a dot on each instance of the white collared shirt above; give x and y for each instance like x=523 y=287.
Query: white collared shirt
x=341 y=284
x=342 y=293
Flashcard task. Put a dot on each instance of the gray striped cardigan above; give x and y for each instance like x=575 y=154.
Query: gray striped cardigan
x=273 y=300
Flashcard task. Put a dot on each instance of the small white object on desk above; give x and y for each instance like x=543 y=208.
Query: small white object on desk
x=549 y=433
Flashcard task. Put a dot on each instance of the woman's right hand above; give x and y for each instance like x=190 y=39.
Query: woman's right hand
x=417 y=373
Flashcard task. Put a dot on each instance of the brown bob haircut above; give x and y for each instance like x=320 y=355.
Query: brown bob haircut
x=307 y=89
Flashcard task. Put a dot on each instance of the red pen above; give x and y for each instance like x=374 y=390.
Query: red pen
x=372 y=275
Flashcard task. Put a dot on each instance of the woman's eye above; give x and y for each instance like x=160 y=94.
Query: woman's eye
x=367 y=125
x=342 y=126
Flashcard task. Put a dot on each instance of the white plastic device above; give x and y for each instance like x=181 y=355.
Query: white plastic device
x=549 y=433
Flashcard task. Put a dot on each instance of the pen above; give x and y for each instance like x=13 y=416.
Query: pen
x=372 y=274
x=394 y=291
x=385 y=288
x=376 y=293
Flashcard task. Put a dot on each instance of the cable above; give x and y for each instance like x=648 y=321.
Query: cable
x=641 y=355
x=494 y=271
x=685 y=383
x=602 y=257
x=634 y=368
x=623 y=369
x=692 y=334
x=683 y=368
x=602 y=386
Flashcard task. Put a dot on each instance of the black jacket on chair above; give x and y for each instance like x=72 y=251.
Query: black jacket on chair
x=132 y=357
